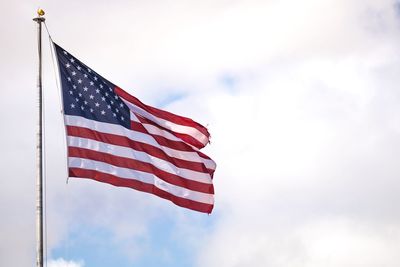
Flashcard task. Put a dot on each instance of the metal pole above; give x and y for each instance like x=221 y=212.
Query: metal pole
x=39 y=153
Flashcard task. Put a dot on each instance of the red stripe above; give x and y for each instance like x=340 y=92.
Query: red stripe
x=184 y=137
x=148 y=188
x=139 y=146
x=140 y=166
x=190 y=140
x=161 y=140
x=177 y=145
x=162 y=113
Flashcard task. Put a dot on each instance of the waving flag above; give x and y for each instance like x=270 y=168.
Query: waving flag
x=114 y=138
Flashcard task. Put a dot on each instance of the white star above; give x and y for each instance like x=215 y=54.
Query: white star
x=67 y=65
x=97 y=91
x=89 y=70
x=97 y=104
x=85 y=102
x=101 y=86
x=121 y=105
x=82 y=107
x=122 y=118
x=91 y=83
x=71 y=93
x=91 y=110
x=112 y=102
x=103 y=112
x=79 y=81
x=103 y=98
x=80 y=94
x=74 y=86
x=116 y=97
x=65 y=53
x=105 y=93
x=109 y=88
x=108 y=106
x=85 y=89
x=95 y=78
x=73 y=73
x=72 y=60
x=79 y=67
x=72 y=106
x=85 y=75
x=115 y=115
x=91 y=96
x=77 y=99
x=116 y=110
x=69 y=79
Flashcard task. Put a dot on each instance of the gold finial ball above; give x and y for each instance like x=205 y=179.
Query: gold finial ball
x=40 y=12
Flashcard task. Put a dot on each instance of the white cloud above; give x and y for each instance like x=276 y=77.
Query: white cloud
x=60 y=262
x=307 y=145
x=305 y=137
x=329 y=242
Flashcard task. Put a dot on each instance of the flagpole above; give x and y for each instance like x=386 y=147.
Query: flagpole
x=39 y=152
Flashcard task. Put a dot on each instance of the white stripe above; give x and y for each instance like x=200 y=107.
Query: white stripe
x=158 y=131
x=153 y=130
x=135 y=136
x=196 y=134
x=142 y=177
x=130 y=153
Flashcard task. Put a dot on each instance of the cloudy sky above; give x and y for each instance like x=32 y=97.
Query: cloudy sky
x=303 y=103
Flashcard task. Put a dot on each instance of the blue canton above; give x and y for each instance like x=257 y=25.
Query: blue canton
x=87 y=94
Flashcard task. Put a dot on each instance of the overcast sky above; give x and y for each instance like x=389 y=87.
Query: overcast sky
x=301 y=98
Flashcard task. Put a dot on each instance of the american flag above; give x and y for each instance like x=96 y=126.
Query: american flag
x=113 y=137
